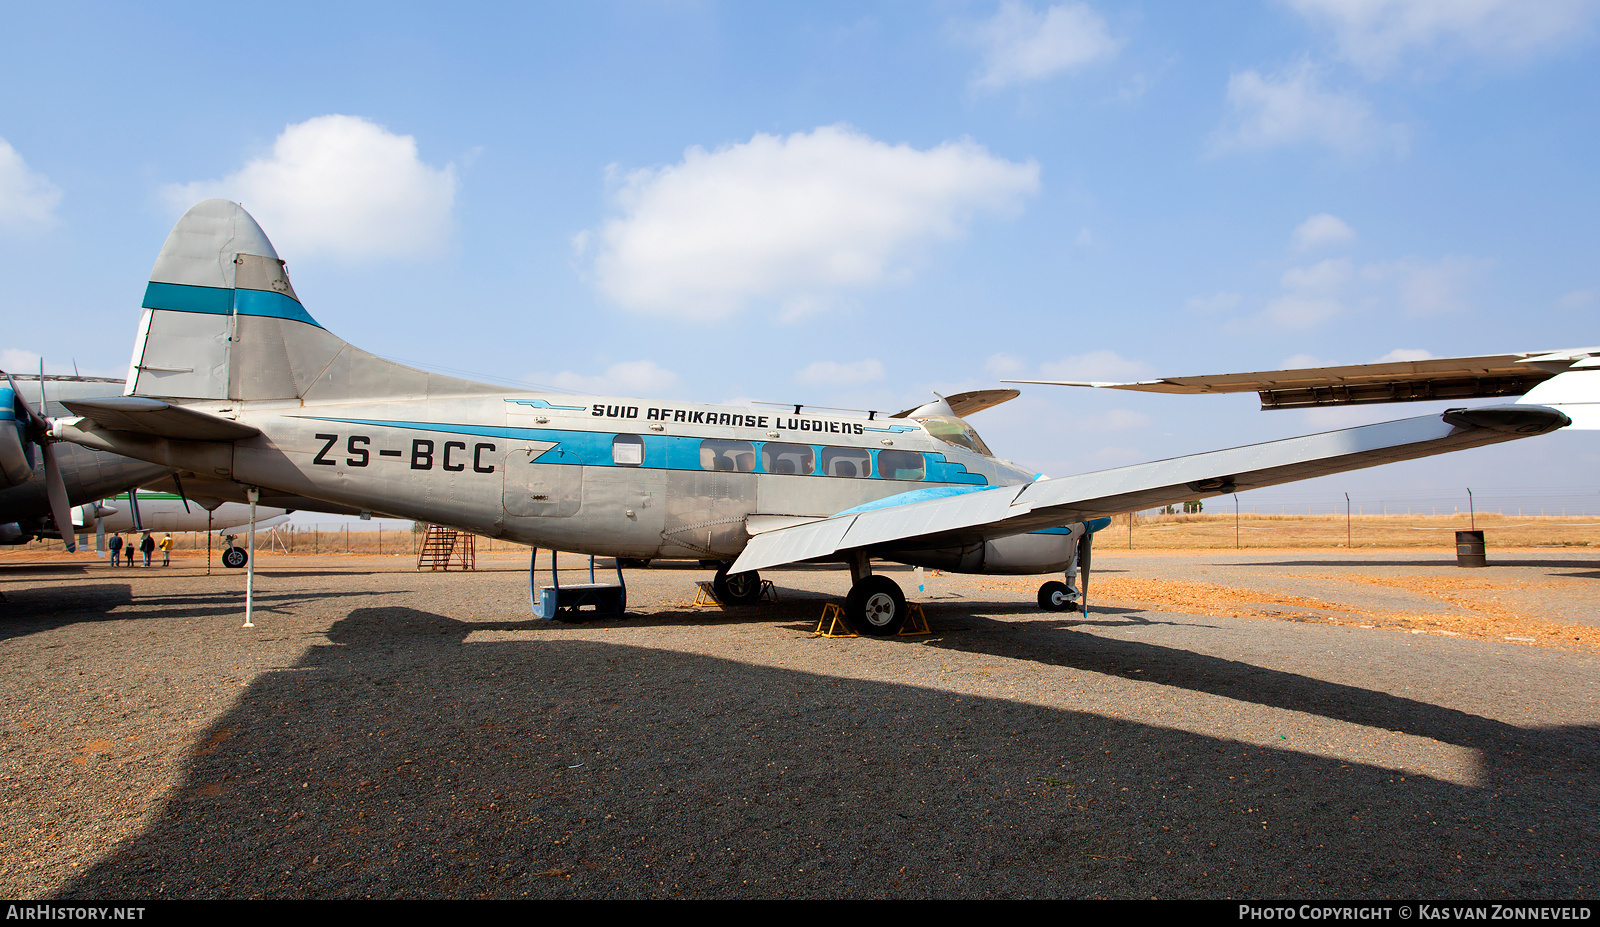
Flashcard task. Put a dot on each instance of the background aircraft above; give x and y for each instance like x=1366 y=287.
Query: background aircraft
x=233 y=378
x=86 y=475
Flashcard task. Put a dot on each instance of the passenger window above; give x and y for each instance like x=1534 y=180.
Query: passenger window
x=627 y=450
x=787 y=458
x=900 y=465
x=846 y=461
x=735 y=456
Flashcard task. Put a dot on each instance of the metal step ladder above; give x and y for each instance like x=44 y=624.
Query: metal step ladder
x=442 y=547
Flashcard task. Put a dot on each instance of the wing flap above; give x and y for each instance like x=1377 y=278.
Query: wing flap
x=161 y=419
x=1005 y=511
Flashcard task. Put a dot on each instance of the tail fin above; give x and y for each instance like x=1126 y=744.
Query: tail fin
x=222 y=322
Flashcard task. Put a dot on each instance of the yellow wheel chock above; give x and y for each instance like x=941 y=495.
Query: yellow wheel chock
x=838 y=626
x=707 y=598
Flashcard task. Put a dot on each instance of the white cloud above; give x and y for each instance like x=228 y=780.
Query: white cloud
x=1096 y=366
x=1330 y=289
x=792 y=219
x=832 y=373
x=1320 y=231
x=628 y=378
x=1405 y=354
x=26 y=197
x=1219 y=302
x=1291 y=108
x=1425 y=288
x=1300 y=362
x=1022 y=44
x=1312 y=295
x=342 y=186
x=1377 y=34
x=1001 y=366
x=1577 y=299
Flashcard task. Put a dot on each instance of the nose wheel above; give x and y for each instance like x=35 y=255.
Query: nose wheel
x=1057 y=597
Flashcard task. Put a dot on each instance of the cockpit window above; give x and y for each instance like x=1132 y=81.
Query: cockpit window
x=955 y=431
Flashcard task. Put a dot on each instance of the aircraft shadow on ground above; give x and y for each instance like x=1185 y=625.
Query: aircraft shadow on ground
x=402 y=760
x=37 y=609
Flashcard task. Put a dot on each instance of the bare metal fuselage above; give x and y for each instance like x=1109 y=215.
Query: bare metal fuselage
x=617 y=477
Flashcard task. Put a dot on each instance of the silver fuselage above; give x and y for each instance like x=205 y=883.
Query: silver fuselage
x=620 y=477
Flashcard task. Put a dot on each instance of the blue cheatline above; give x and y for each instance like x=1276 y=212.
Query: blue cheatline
x=661 y=452
x=181 y=297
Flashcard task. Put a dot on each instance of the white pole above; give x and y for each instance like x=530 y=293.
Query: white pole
x=250 y=574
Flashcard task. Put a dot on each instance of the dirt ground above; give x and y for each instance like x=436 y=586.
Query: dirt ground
x=1307 y=722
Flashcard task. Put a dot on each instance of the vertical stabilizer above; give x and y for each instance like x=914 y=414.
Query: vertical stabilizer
x=222 y=322
x=215 y=316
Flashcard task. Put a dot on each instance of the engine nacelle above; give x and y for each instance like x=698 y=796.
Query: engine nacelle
x=12 y=533
x=1019 y=554
x=16 y=456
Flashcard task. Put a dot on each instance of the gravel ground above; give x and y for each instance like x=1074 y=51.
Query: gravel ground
x=383 y=733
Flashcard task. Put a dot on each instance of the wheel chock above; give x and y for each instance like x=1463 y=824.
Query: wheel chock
x=833 y=616
x=705 y=598
x=916 y=621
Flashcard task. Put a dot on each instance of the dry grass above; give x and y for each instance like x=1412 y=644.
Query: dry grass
x=1207 y=531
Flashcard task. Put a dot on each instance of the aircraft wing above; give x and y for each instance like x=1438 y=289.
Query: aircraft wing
x=1007 y=510
x=1448 y=378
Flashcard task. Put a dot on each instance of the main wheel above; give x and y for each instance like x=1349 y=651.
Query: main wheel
x=633 y=563
x=234 y=557
x=1055 y=597
x=736 y=588
x=876 y=606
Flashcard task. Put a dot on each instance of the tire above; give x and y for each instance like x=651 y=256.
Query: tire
x=736 y=588
x=876 y=607
x=234 y=557
x=1056 y=597
x=633 y=563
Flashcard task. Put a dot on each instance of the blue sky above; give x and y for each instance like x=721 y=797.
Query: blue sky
x=848 y=204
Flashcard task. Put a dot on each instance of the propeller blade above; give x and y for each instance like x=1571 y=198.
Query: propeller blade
x=55 y=489
x=99 y=531
x=1085 y=557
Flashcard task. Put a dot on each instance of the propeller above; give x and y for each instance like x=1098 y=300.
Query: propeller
x=1085 y=557
x=55 y=488
x=99 y=531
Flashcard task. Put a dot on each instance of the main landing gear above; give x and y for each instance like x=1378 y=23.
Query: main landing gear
x=875 y=606
x=736 y=588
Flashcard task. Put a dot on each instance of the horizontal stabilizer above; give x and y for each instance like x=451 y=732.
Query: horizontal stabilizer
x=1009 y=510
x=965 y=404
x=154 y=417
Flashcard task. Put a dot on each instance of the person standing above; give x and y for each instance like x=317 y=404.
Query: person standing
x=166 y=550
x=147 y=546
x=127 y=550
x=116 y=549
